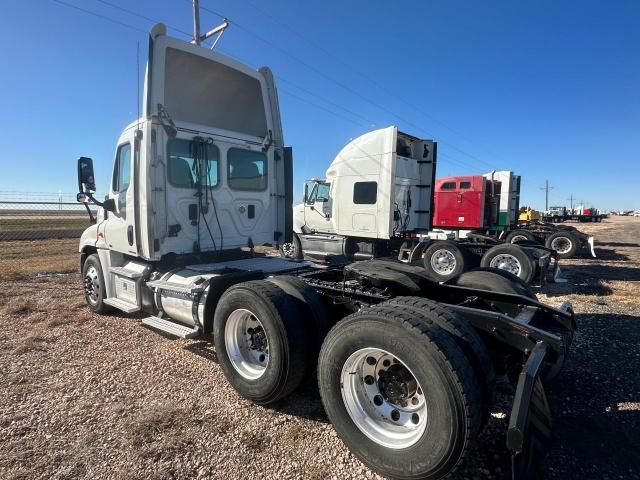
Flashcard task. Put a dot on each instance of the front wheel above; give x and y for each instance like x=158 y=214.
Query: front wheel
x=94 y=287
x=292 y=249
x=395 y=386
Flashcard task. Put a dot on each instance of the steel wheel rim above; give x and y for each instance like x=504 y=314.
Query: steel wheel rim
x=247 y=344
x=92 y=285
x=383 y=398
x=508 y=262
x=518 y=238
x=561 y=244
x=443 y=262
x=289 y=249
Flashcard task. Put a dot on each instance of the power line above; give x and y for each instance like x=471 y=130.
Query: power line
x=368 y=123
x=336 y=82
x=139 y=15
x=103 y=17
x=386 y=90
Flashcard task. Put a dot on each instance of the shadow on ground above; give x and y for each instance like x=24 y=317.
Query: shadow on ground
x=597 y=428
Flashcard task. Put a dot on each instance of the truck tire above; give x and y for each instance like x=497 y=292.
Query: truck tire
x=94 y=287
x=444 y=259
x=312 y=308
x=292 y=249
x=390 y=423
x=564 y=243
x=510 y=258
x=465 y=336
x=261 y=341
x=519 y=236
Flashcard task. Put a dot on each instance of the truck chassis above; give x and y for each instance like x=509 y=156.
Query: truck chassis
x=274 y=320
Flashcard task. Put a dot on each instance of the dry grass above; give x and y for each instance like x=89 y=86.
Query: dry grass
x=34 y=342
x=23 y=259
x=22 y=306
x=39 y=223
x=254 y=440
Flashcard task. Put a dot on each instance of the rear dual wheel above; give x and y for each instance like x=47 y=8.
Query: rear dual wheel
x=261 y=342
x=445 y=259
x=399 y=391
x=564 y=243
x=511 y=258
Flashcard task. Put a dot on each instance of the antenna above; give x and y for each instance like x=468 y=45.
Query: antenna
x=197 y=37
x=138 y=80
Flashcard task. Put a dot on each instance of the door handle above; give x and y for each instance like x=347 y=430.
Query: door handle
x=130 y=234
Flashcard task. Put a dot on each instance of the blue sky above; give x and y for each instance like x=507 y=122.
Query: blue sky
x=550 y=89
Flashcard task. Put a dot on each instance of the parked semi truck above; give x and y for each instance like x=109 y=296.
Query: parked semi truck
x=406 y=367
x=377 y=200
x=579 y=214
x=489 y=205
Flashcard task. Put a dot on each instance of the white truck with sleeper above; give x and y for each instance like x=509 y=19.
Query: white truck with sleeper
x=377 y=200
x=405 y=366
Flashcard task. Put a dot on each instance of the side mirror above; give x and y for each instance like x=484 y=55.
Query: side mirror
x=306 y=192
x=86 y=180
x=109 y=204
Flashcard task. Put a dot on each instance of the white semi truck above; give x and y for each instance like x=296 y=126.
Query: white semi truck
x=377 y=200
x=405 y=366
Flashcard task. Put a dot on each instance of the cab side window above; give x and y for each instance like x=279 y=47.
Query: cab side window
x=122 y=169
x=365 y=193
x=323 y=192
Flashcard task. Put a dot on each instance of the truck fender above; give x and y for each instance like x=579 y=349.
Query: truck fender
x=217 y=287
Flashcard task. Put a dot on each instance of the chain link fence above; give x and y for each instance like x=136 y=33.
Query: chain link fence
x=39 y=233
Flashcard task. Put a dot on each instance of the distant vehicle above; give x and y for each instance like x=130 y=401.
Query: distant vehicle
x=636 y=213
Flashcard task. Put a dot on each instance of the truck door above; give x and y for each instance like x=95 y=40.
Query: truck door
x=119 y=229
x=317 y=208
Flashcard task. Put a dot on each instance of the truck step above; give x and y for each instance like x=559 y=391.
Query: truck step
x=189 y=289
x=122 y=305
x=172 y=328
x=125 y=272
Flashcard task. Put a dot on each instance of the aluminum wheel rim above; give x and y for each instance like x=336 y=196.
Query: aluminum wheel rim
x=386 y=412
x=508 y=262
x=561 y=244
x=92 y=285
x=247 y=344
x=443 y=262
x=289 y=249
x=518 y=238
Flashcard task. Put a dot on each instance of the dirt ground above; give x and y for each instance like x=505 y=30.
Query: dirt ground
x=83 y=395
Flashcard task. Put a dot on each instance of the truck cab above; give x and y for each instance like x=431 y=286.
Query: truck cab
x=200 y=176
x=204 y=169
x=377 y=189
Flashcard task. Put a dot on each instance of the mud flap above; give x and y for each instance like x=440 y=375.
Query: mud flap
x=591 y=242
x=529 y=434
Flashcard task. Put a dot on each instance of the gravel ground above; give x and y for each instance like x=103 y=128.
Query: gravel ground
x=94 y=396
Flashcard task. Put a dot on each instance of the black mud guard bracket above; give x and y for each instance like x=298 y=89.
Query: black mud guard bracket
x=529 y=434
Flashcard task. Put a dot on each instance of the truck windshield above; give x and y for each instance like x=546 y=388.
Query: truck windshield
x=180 y=165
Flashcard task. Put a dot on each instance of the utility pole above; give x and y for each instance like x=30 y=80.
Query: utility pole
x=198 y=38
x=571 y=199
x=196 y=22
x=546 y=189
